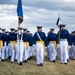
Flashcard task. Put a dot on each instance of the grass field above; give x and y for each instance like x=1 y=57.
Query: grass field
x=30 y=68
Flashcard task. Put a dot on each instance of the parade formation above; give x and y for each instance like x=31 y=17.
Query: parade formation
x=19 y=46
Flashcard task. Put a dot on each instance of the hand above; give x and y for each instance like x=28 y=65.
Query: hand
x=57 y=45
x=69 y=46
x=8 y=44
x=34 y=46
x=48 y=46
x=19 y=32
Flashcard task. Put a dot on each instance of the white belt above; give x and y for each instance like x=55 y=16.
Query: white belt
x=63 y=39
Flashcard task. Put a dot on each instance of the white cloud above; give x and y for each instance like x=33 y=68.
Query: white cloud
x=34 y=16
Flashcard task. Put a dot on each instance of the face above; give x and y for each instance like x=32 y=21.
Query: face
x=3 y=31
x=7 y=33
x=0 y=30
x=12 y=30
x=63 y=28
x=39 y=29
x=25 y=31
x=52 y=31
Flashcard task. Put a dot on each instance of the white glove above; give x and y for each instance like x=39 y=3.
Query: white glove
x=34 y=46
x=8 y=44
x=47 y=46
x=69 y=46
x=57 y=45
x=19 y=32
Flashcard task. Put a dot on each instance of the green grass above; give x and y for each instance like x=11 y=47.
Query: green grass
x=30 y=68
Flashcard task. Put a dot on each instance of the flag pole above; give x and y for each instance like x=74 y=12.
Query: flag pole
x=59 y=23
x=19 y=14
x=59 y=35
x=19 y=29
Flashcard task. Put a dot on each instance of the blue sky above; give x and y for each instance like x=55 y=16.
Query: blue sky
x=38 y=12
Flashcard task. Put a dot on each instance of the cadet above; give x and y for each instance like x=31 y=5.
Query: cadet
x=31 y=43
x=64 y=42
x=7 y=48
x=72 y=44
x=47 y=49
x=4 y=39
x=73 y=41
x=12 y=38
x=41 y=42
x=26 y=45
x=16 y=31
x=20 y=46
x=0 y=44
x=52 y=45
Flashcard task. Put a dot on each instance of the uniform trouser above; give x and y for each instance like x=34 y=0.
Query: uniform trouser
x=63 y=51
x=26 y=53
x=3 y=51
x=67 y=54
x=71 y=52
x=20 y=51
x=10 y=49
x=39 y=53
x=47 y=49
x=6 y=53
x=12 y=52
x=0 y=54
x=74 y=52
x=30 y=51
x=15 y=54
x=52 y=52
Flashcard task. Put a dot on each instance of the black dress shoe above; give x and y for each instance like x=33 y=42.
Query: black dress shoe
x=65 y=63
x=38 y=64
x=41 y=64
x=12 y=62
x=2 y=60
x=9 y=57
x=20 y=63
x=29 y=58
x=48 y=58
x=25 y=61
x=54 y=61
x=15 y=59
x=67 y=60
x=61 y=63
x=33 y=56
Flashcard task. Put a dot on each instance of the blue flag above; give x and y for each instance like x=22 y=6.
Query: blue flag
x=19 y=12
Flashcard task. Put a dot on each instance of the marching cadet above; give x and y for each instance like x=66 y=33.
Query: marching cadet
x=52 y=45
x=31 y=43
x=41 y=41
x=71 y=49
x=16 y=31
x=47 y=49
x=4 y=39
x=12 y=38
x=63 y=44
x=26 y=45
x=0 y=44
x=73 y=41
x=7 y=48
x=20 y=46
x=28 y=51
